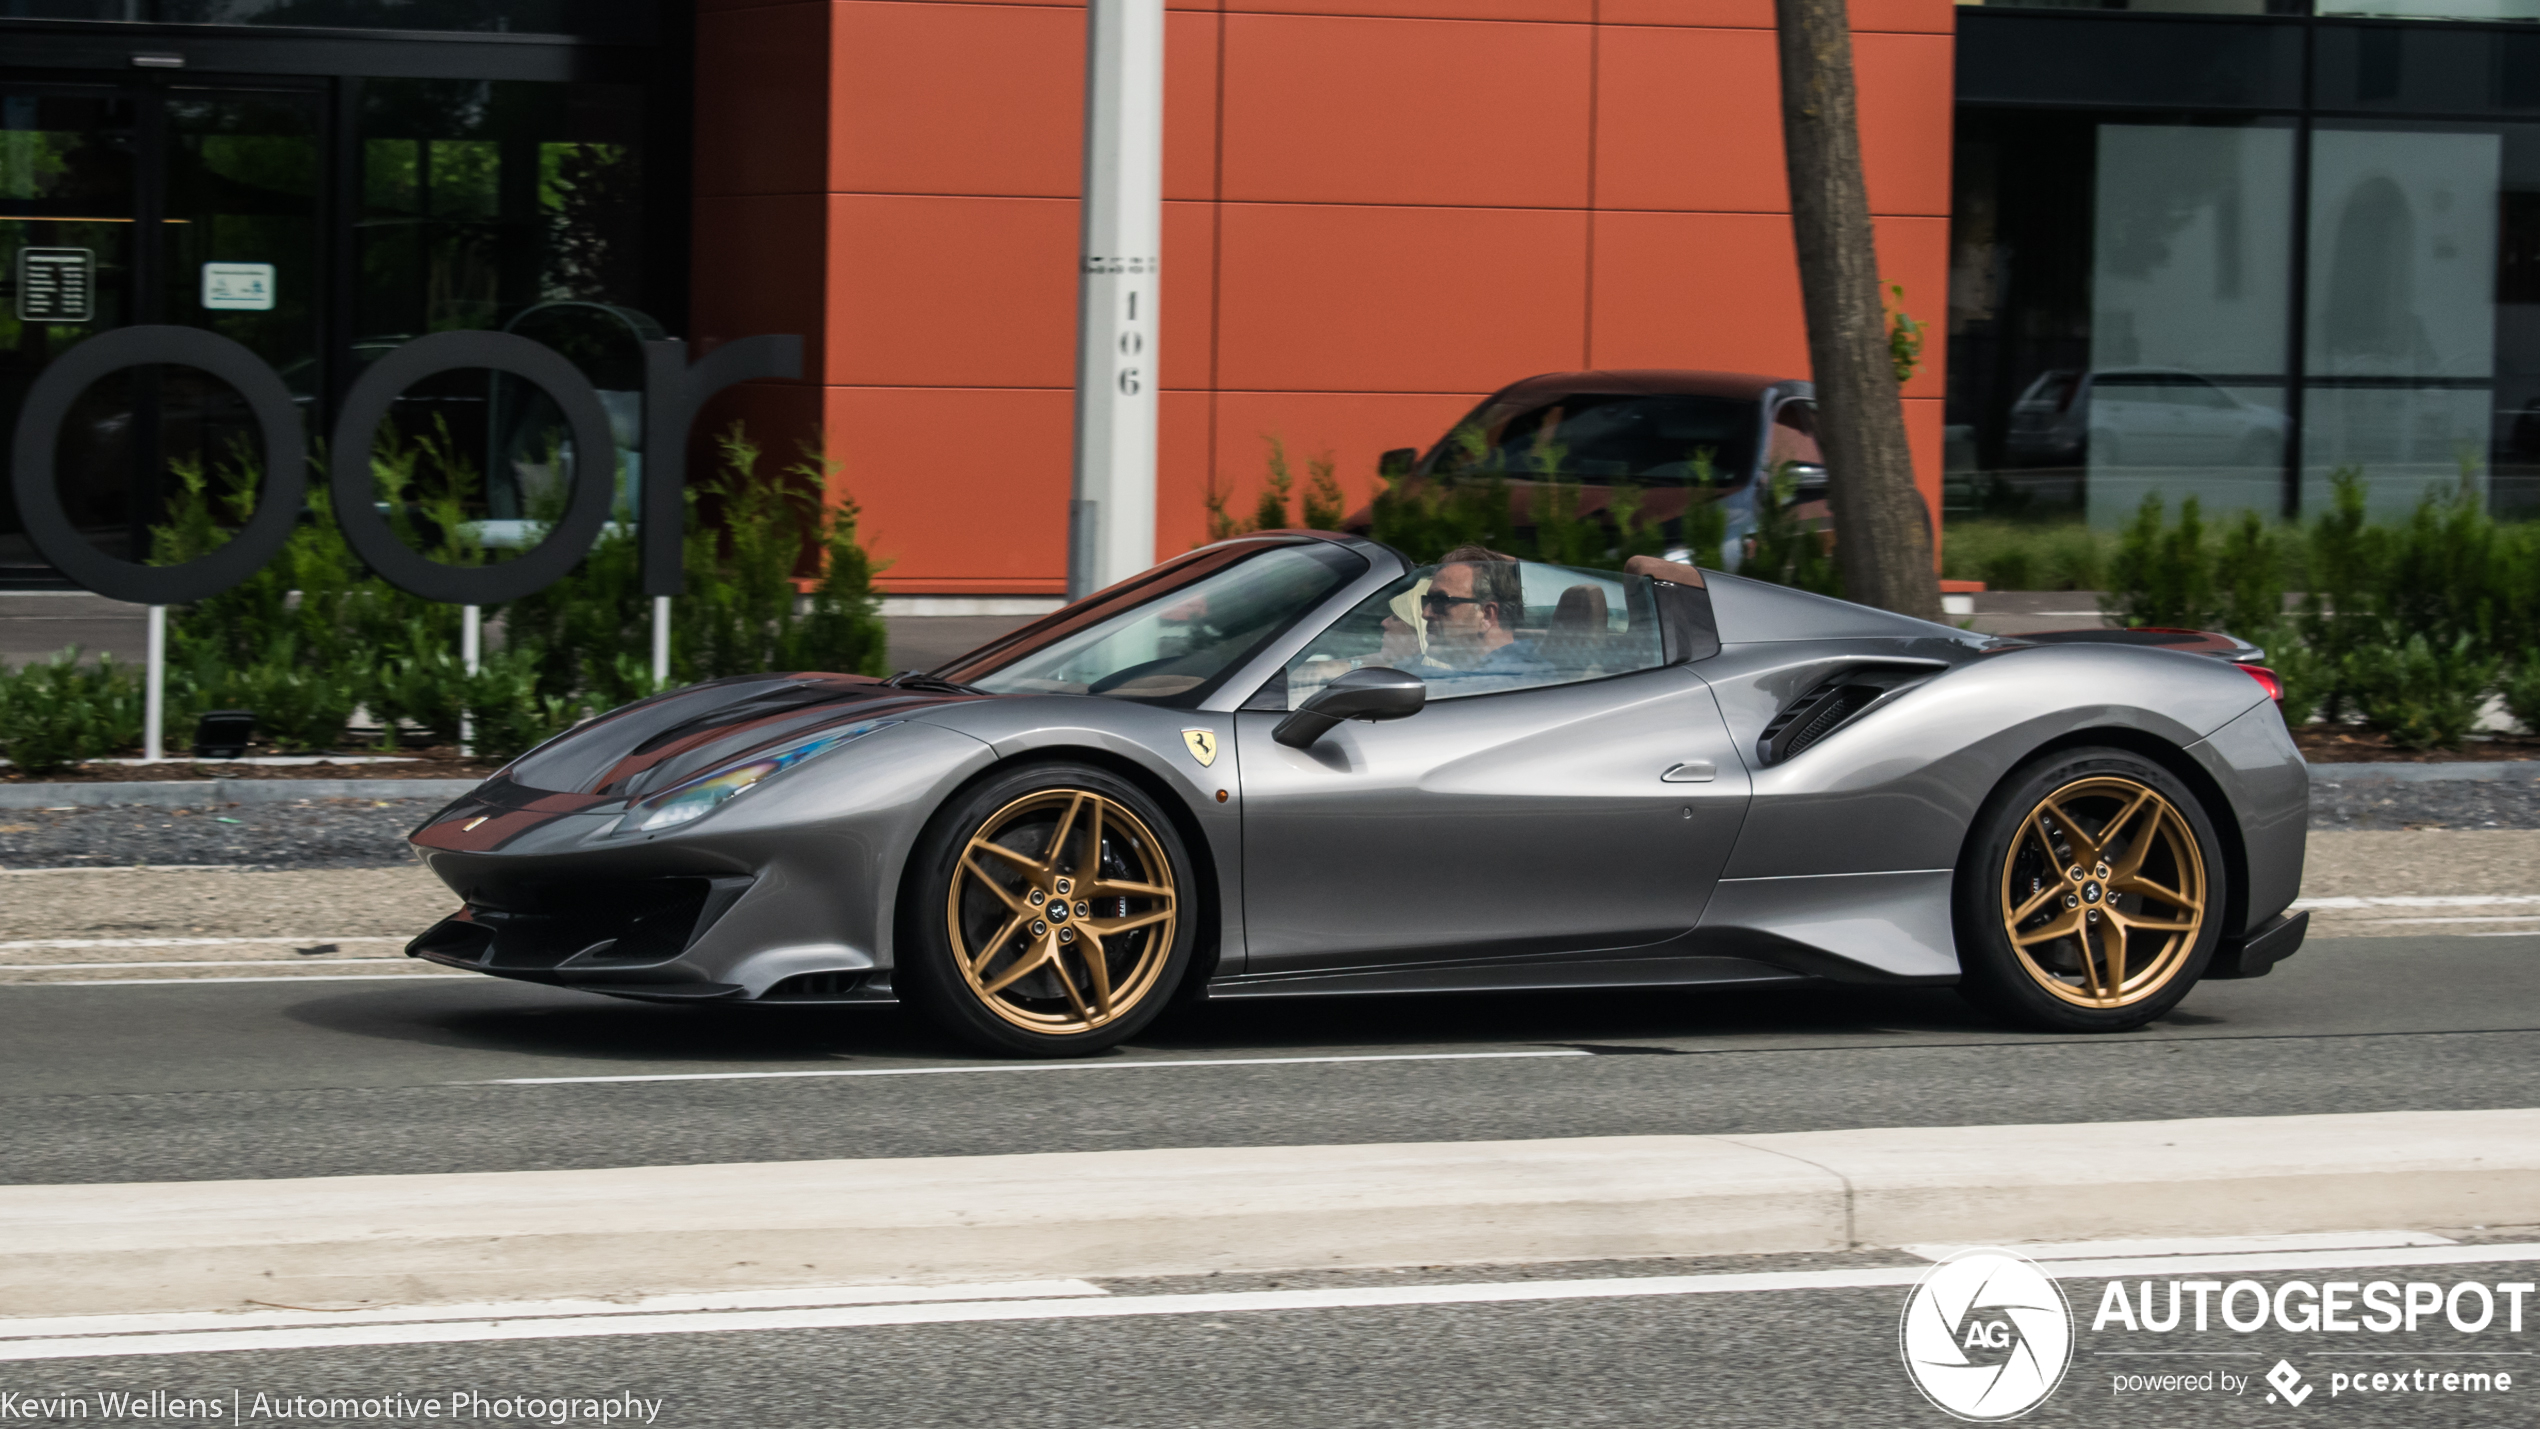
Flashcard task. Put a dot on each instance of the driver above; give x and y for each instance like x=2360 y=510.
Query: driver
x=1471 y=610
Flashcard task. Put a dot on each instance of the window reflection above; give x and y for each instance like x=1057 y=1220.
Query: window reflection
x=1476 y=624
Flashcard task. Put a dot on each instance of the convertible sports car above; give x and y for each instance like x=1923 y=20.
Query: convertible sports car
x=1297 y=763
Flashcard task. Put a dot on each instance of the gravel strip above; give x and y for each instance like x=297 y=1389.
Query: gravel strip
x=316 y=833
x=2445 y=804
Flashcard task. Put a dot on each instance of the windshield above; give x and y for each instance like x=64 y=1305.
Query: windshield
x=1172 y=634
x=1661 y=439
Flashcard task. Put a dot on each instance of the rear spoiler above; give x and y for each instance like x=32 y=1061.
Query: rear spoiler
x=2213 y=643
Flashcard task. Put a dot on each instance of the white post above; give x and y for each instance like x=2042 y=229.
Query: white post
x=1111 y=521
x=471 y=648
x=154 y=689
x=661 y=642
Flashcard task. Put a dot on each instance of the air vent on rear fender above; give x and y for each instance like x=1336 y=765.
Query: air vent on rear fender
x=1829 y=706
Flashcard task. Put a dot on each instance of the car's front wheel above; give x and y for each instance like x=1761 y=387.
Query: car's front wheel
x=2091 y=895
x=1045 y=915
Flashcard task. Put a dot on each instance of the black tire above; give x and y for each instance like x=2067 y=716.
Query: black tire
x=998 y=933
x=2126 y=955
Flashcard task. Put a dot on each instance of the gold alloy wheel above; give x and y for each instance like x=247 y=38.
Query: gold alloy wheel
x=2104 y=891
x=1062 y=912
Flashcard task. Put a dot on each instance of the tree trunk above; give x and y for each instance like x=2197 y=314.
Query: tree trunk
x=1883 y=532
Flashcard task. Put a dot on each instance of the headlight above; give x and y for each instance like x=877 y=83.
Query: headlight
x=705 y=793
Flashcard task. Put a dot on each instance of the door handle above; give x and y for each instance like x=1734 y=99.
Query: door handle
x=1692 y=771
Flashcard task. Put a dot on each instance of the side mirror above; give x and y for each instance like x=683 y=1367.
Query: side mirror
x=1398 y=462
x=1371 y=694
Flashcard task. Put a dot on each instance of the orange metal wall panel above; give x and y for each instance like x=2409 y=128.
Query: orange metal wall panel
x=1577 y=12
x=1355 y=427
x=1359 y=299
x=963 y=489
x=1378 y=211
x=1190 y=314
x=1721 y=290
x=956 y=99
x=1716 y=290
x=1321 y=109
x=1905 y=99
x=951 y=292
x=1689 y=120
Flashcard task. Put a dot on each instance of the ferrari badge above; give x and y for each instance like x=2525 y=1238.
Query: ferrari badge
x=1203 y=745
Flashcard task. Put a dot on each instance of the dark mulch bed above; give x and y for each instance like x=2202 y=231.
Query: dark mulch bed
x=2346 y=744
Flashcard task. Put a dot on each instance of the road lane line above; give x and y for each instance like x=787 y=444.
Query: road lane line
x=425 y=970
x=1113 y=1066
x=790 y=1299
x=6 y=966
x=1216 y=1303
x=20 y=944
x=2420 y=900
x=2199 y=1245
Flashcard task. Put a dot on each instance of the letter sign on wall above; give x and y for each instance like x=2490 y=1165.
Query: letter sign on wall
x=674 y=391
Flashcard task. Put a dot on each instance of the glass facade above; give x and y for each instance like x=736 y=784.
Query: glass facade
x=2238 y=299
x=591 y=19
x=321 y=221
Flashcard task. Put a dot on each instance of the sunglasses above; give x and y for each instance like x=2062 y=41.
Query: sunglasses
x=1440 y=600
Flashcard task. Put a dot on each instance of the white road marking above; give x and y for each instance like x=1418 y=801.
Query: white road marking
x=286 y=1317
x=130 y=867
x=2421 y=900
x=1113 y=1066
x=421 y=970
x=2460 y=918
x=2199 y=1245
x=21 y=944
x=6 y=966
x=1219 y=1303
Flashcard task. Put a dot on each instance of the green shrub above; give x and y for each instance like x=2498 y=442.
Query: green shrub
x=2422 y=695
x=1787 y=550
x=2025 y=555
x=2307 y=675
x=507 y=712
x=59 y=712
x=311 y=636
x=2520 y=687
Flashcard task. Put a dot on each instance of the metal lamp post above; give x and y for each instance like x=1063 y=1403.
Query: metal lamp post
x=1111 y=518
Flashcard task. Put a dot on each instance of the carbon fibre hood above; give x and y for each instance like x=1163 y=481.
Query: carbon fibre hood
x=657 y=744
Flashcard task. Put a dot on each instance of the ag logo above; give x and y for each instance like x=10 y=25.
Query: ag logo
x=1986 y=1335
x=1203 y=745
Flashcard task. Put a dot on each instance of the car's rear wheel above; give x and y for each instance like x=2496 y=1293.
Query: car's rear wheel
x=1046 y=915
x=2092 y=893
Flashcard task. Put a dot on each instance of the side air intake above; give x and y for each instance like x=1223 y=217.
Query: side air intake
x=1830 y=706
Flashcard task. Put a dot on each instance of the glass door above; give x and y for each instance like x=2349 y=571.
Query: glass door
x=124 y=203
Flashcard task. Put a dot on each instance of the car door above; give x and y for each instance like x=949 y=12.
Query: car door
x=1563 y=819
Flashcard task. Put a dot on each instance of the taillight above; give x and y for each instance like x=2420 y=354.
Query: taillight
x=2267 y=680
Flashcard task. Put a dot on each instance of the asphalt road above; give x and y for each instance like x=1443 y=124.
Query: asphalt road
x=1773 y=1358
x=217 y=1080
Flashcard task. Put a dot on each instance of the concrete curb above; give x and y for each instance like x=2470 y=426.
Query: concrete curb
x=201 y=793
x=216 y=1244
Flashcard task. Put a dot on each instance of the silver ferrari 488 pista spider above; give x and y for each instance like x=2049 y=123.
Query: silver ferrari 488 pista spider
x=1297 y=763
